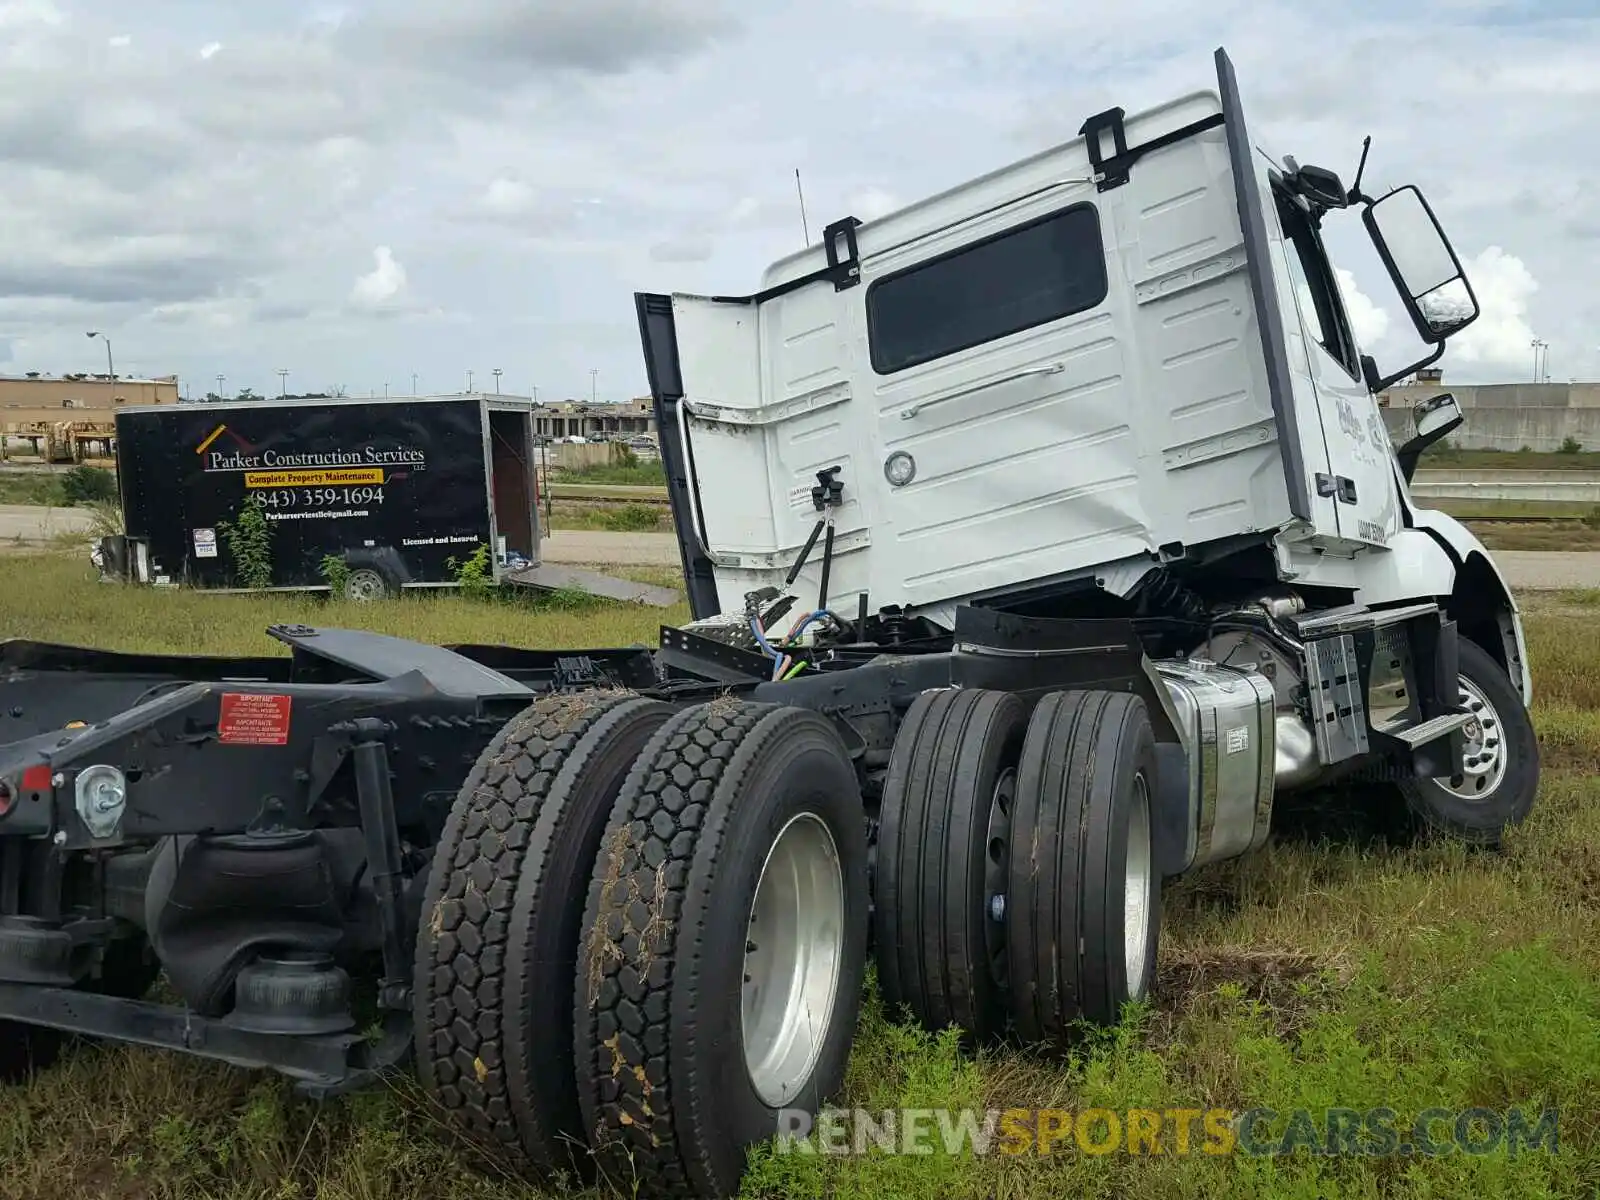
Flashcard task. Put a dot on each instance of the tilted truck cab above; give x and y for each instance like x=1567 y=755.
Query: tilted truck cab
x=1038 y=537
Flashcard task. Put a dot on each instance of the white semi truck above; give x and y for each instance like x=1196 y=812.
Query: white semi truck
x=1038 y=537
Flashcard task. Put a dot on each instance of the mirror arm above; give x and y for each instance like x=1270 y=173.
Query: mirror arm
x=1410 y=454
x=1377 y=383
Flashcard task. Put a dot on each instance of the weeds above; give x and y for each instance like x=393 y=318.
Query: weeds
x=249 y=541
x=335 y=572
x=475 y=575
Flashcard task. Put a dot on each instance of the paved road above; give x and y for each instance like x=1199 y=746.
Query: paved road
x=30 y=523
x=617 y=549
x=1524 y=568
x=1534 y=569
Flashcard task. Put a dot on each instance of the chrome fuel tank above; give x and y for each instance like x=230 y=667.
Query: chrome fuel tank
x=1227 y=720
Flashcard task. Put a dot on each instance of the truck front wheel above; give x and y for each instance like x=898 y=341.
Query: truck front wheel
x=1500 y=769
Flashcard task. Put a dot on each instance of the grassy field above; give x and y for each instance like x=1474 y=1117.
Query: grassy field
x=1316 y=974
x=1447 y=456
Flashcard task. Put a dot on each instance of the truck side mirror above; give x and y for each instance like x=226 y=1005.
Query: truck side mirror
x=1422 y=263
x=1434 y=418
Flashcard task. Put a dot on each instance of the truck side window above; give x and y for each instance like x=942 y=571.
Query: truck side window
x=1321 y=287
x=1014 y=280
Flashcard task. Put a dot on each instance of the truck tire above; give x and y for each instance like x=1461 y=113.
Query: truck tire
x=1083 y=902
x=492 y=1001
x=942 y=850
x=720 y=981
x=1501 y=777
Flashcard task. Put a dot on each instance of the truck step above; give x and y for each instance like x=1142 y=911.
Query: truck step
x=1431 y=730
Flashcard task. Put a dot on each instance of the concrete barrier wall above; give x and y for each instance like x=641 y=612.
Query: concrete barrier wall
x=1508 y=416
x=575 y=456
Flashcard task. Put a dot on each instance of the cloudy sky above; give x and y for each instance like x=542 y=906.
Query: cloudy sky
x=363 y=192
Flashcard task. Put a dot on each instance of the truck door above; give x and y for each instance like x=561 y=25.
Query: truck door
x=1359 y=474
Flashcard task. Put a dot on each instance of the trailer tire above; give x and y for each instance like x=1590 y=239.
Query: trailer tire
x=673 y=963
x=1496 y=790
x=1085 y=789
x=942 y=846
x=500 y=927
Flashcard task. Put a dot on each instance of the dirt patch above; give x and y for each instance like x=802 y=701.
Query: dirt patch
x=1289 y=984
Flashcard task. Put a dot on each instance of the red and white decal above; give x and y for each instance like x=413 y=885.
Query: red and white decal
x=253 y=719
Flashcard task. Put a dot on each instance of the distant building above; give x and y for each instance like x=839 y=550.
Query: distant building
x=596 y=422
x=32 y=398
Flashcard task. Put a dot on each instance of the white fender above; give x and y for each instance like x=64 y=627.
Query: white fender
x=1465 y=546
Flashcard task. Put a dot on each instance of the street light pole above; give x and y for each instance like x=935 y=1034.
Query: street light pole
x=496 y=373
x=110 y=370
x=413 y=383
x=283 y=383
x=220 y=378
x=594 y=376
x=469 y=381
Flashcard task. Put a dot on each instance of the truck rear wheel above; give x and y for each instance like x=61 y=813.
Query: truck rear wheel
x=943 y=843
x=720 y=981
x=1083 y=900
x=500 y=920
x=1500 y=771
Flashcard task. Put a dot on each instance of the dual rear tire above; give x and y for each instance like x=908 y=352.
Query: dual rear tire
x=644 y=937
x=1016 y=890
x=646 y=928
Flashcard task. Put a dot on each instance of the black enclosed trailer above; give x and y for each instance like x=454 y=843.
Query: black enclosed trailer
x=401 y=491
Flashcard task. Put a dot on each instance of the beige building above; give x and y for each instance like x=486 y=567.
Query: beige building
x=25 y=399
x=66 y=418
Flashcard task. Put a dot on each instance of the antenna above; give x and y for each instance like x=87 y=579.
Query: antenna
x=805 y=226
x=1361 y=169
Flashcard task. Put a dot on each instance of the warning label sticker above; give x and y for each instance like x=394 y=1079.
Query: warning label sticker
x=253 y=719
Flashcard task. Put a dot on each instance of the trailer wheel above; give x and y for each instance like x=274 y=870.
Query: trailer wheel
x=1500 y=774
x=366 y=584
x=943 y=841
x=727 y=926
x=500 y=923
x=1083 y=900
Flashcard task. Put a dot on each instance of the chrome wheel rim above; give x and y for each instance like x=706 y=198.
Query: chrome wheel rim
x=1483 y=760
x=364 y=585
x=1136 y=897
x=794 y=946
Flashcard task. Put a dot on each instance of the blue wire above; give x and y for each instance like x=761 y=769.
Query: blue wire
x=772 y=651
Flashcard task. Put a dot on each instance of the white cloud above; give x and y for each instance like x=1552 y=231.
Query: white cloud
x=382 y=285
x=474 y=139
x=1501 y=335
x=209 y=50
x=508 y=197
x=119 y=41
x=1371 y=323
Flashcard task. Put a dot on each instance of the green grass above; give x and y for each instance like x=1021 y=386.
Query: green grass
x=1443 y=456
x=644 y=474
x=31 y=488
x=1313 y=975
x=610 y=518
